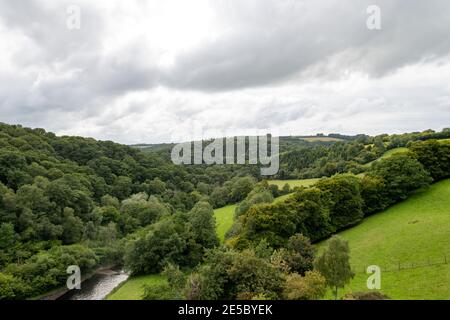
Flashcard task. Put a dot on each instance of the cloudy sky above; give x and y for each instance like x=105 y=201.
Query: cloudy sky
x=152 y=71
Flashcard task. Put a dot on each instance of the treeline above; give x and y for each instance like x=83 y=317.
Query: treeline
x=76 y=194
x=301 y=160
x=72 y=200
x=268 y=254
x=343 y=200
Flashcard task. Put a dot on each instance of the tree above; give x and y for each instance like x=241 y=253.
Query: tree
x=146 y=210
x=7 y=236
x=176 y=279
x=372 y=193
x=72 y=227
x=160 y=245
x=345 y=202
x=240 y=187
x=110 y=201
x=434 y=156
x=122 y=187
x=312 y=286
x=334 y=264
x=12 y=288
x=299 y=254
x=202 y=225
x=229 y=274
x=256 y=196
x=401 y=174
x=220 y=197
x=159 y=291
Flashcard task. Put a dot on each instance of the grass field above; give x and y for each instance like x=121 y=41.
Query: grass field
x=388 y=154
x=224 y=220
x=413 y=235
x=224 y=216
x=133 y=289
x=322 y=139
x=294 y=183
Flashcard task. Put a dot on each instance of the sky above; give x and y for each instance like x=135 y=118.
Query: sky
x=168 y=71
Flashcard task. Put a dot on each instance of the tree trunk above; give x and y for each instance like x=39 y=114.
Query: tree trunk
x=335 y=293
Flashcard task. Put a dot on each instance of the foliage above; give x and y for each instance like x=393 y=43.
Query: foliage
x=434 y=156
x=311 y=286
x=161 y=244
x=159 y=291
x=299 y=254
x=334 y=264
x=369 y=295
x=228 y=274
x=401 y=175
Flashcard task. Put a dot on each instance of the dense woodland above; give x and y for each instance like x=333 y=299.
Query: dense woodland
x=72 y=200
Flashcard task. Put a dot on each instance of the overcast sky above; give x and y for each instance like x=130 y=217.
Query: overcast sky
x=151 y=71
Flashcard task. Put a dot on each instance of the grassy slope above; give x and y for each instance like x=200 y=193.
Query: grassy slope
x=322 y=139
x=388 y=154
x=294 y=183
x=224 y=220
x=416 y=231
x=133 y=289
x=224 y=215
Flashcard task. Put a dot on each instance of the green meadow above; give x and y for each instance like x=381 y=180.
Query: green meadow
x=388 y=154
x=224 y=220
x=409 y=242
x=294 y=183
x=133 y=288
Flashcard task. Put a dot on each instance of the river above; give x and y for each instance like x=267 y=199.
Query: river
x=98 y=286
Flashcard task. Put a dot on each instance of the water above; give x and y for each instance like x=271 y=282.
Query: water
x=98 y=286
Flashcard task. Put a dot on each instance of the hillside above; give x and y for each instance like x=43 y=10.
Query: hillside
x=294 y=182
x=412 y=235
x=224 y=215
x=388 y=154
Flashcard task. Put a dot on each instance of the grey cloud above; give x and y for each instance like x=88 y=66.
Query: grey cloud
x=295 y=39
x=269 y=44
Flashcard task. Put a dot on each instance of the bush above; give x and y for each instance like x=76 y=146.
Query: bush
x=312 y=286
x=161 y=244
x=370 y=295
x=160 y=291
x=401 y=175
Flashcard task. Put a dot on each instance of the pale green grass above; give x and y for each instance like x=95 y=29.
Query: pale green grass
x=282 y=198
x=391 y=152
x=414 y=232
x=224 y=217
x=224 y=220
x=133 y=288
x=426 y=283
x=294 y=183
x=388 y=154
x=323 y=139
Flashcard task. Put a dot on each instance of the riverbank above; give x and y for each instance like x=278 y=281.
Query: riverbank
x=61 y=291
x=133 y=288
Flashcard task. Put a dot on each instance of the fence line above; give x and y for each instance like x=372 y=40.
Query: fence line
x=399 y=265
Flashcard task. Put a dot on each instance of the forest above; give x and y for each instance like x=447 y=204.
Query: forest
x=78 y=201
